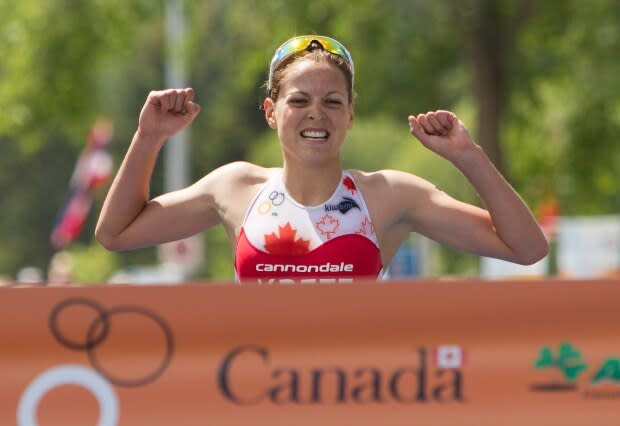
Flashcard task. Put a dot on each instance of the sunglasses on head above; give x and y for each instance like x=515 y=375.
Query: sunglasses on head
x=300 y=43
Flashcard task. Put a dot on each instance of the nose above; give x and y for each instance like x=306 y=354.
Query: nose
x=314 y=111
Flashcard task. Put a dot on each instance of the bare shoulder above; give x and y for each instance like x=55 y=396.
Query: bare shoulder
x=230 y=189
x=234 y=178
x=240 y=173
x=394 y=196
x=234 y=182
x=394 y=199
x=390 y=182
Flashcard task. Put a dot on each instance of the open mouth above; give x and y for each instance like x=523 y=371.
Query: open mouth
x=316 y=135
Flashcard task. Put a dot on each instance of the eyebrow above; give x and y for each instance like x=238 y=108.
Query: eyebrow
x=333 y=92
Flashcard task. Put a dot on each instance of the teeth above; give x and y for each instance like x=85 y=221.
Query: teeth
x=315 y=134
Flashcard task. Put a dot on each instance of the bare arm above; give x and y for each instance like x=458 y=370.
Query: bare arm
x=128 y=219
x=506 y=229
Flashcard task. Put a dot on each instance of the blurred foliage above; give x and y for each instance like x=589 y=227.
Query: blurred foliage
x=93 y=262
x=65 y=62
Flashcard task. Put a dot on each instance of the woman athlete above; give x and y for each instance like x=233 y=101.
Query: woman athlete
x=309 y=220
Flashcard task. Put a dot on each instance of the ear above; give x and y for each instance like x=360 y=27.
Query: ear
x=351 y=115
x=270 y=114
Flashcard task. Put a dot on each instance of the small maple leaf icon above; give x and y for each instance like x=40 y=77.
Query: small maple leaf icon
x=366 y=227
x=328 y=225
x=285 y=244
x=349 y=184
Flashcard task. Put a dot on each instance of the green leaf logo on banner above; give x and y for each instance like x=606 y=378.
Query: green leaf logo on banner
x=568 y=360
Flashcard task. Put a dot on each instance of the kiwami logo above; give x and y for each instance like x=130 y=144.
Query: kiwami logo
x=343 y=207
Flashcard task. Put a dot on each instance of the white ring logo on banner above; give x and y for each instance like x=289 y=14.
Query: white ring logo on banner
x=68 y=375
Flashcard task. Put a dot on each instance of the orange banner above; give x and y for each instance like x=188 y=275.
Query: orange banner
x=394 y=353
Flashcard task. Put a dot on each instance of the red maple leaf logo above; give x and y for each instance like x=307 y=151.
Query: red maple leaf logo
x=328 y=225
x=349 y=184
x=366 y=227
x=285 y=244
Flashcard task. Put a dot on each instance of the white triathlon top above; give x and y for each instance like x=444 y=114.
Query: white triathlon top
x=283 y=241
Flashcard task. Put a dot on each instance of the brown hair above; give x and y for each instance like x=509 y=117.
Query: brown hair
x=317 y=54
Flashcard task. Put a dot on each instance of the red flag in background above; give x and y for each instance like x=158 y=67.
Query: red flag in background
x=93 y=169
x=548 y=214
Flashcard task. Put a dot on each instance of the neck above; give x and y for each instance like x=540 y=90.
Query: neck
x=313 y=186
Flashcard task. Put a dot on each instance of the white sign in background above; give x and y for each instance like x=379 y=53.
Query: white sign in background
x=588 y=247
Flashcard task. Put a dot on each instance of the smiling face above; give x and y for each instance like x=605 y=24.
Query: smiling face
x=312 y=113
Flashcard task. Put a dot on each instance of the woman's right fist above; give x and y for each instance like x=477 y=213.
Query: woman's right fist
x=166 y=112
